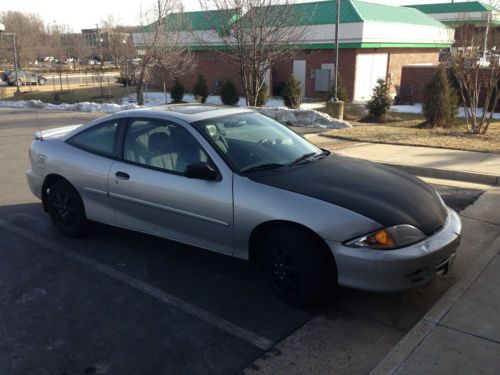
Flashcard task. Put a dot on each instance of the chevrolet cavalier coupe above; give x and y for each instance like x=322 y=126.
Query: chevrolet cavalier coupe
x=236 y=182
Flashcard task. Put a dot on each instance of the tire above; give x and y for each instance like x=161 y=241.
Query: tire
x=297 y=267
x=41 y=81
x=66 y=209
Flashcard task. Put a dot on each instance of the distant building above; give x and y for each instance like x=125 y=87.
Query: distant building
x=457 y=15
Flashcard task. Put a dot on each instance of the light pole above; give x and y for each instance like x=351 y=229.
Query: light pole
x=2 y=29
x=335 y=107
x=99 y=41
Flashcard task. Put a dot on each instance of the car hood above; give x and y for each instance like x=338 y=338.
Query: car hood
x=381 y=193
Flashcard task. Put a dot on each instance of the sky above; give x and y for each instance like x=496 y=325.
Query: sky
x=85 y=14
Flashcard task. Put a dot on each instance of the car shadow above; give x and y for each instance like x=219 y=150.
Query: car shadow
x=228 y=287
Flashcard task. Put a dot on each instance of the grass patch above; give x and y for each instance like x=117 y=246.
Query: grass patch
x=76 y=94
x=408 y=133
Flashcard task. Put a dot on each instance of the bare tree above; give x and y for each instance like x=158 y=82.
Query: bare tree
x=477 y=69
x=161 y=44
x=30 y=34
x=65 y=44
x=255 y=34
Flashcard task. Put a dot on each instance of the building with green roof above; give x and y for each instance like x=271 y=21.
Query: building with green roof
x=375 y=40
x=470 y=12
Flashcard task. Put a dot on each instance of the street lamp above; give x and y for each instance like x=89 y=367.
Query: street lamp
x=335 y=107
x=2 y=29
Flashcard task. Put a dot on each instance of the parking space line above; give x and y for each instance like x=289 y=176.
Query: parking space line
x=198 y=312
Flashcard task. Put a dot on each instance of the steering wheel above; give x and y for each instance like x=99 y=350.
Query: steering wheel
x=217 y=136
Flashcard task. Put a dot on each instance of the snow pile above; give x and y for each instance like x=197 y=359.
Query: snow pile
x=302 y=117
x=305 y=116
x=159 y=98
x=417 y=108
x=77 y=107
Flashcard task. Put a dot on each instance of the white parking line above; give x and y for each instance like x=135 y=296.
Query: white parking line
x=202 y=314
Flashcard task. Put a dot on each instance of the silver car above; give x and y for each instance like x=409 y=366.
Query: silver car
x=236 y=182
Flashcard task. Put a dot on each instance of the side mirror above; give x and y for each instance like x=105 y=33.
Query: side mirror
x=202 y=171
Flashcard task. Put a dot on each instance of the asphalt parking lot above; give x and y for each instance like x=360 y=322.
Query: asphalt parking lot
x=120 y=302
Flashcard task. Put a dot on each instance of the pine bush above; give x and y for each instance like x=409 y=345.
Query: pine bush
x=262 y=97
x=440 y=101
x=200 y=89
x=177 y=91
x=342 y=91
x=228 y=93
x=381 y=101
x=292 y=93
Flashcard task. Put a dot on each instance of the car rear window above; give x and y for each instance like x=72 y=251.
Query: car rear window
x=98 y=139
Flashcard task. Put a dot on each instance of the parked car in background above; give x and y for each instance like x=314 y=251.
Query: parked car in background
x=23 y=77
x=236 y=182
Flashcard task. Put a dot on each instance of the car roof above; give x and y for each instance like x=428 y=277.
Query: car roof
x=186 y=112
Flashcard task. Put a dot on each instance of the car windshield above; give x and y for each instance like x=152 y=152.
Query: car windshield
x=251 y=141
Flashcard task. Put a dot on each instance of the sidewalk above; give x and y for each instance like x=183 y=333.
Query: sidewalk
x=468 y=166
x=461 y=332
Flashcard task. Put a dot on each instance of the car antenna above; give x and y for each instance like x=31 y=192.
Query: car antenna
x=38 y=122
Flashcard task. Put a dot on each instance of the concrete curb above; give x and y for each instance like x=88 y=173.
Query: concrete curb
x=447 y=174
x=395 y=359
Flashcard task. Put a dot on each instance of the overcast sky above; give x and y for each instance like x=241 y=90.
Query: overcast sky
x=85 y=14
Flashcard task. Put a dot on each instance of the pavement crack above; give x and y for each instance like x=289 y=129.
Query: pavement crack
x=480 y=221
x=468 y=333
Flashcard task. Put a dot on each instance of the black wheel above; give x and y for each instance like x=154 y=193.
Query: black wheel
x=297 y=267
x=41 y=81
x=66 y=209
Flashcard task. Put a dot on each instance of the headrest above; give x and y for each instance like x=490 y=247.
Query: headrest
x=158 y=143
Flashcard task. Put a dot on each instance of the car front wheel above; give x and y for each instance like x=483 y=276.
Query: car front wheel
x=297 y=267
x=41 y=81
x=66 y=209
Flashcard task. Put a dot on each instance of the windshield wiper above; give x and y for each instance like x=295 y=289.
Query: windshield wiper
x=263 y=167
x=323 y=154
x=301 y=158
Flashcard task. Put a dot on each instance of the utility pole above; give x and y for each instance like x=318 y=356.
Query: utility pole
x=99 y=41
x=337 y=50
x=2 y=28
x=335 y=107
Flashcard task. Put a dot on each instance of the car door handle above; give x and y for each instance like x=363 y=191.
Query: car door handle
x=122 y=175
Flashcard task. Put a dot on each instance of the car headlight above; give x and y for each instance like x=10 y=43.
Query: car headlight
x=389 y=238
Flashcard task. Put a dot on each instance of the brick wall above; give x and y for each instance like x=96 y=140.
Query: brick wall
x=405 y=56
x=413 y=80
x=216 y=67
x=314 y=59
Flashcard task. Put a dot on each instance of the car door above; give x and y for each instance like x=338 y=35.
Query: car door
x=151 y=193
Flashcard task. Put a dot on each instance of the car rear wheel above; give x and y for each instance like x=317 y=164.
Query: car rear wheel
x=66 y=209
x=297 y=267
x=41 y=81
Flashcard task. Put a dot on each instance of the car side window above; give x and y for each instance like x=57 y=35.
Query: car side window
x=161 y=144
x=99 y=138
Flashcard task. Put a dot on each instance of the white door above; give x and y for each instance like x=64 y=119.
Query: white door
x=299 y=71
x=369 y=68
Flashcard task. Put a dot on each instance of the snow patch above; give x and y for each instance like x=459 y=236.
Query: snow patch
x=417 y=108
x=302 y=117
x=305 y=116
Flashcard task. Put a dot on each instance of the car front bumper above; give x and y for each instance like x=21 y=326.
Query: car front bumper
x=35 y=183
x=405 y=268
